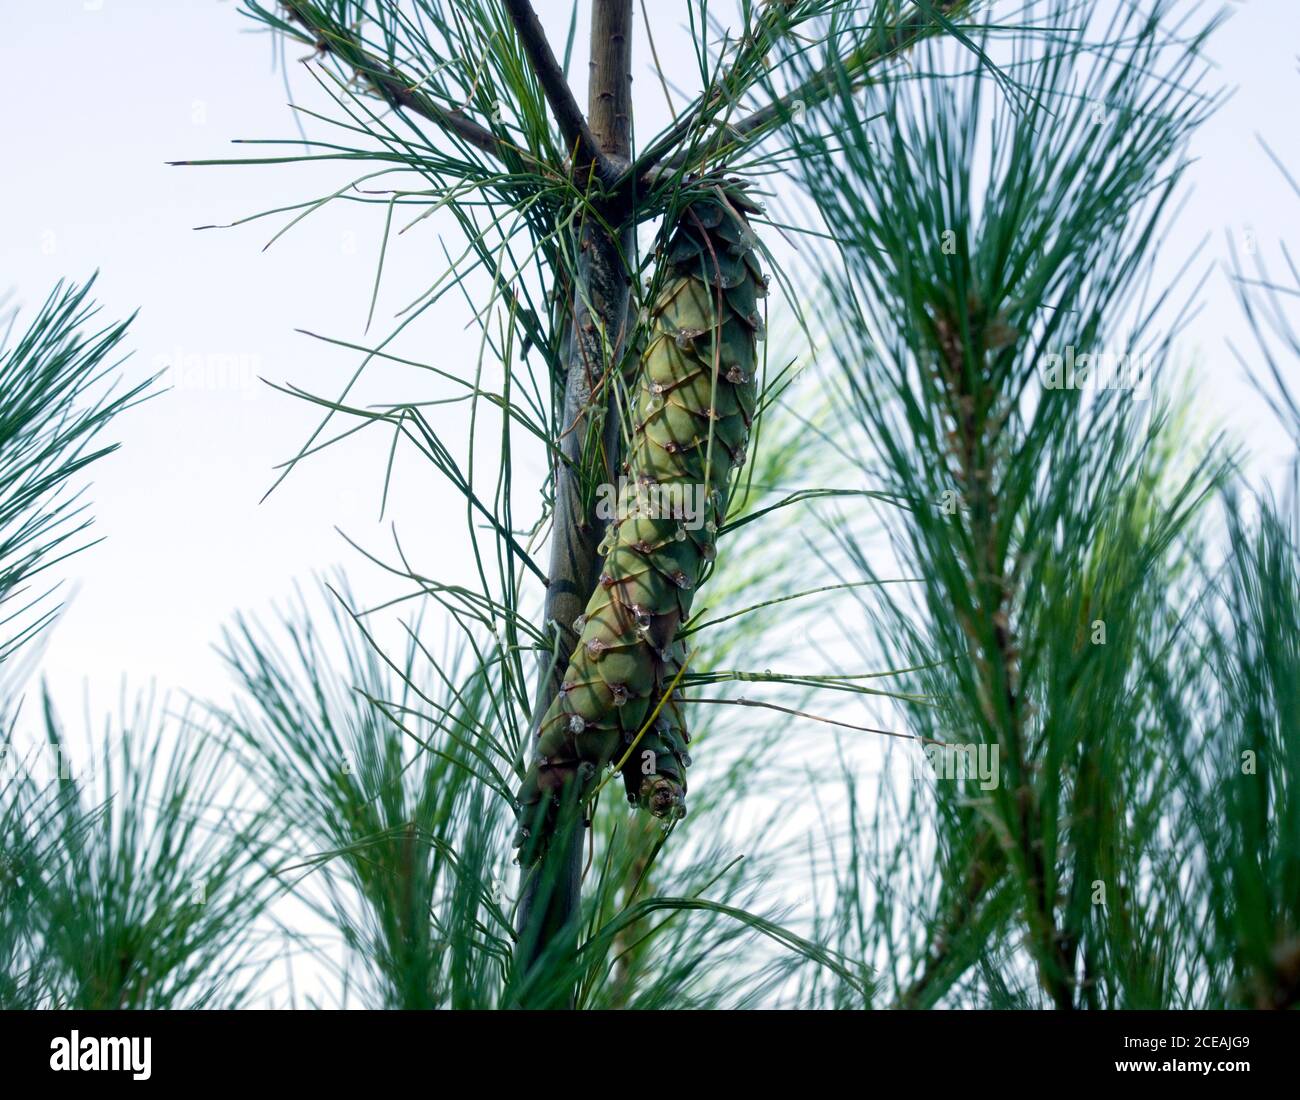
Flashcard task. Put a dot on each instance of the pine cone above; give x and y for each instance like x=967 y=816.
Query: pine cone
x=694 y=404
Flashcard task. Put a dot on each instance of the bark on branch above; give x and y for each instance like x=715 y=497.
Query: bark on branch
x=551 y=893
x=610 y=89
x=328 y=37
x=594 y=343
x=577 y=134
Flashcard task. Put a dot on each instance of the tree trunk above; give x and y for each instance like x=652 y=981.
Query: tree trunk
x=551 y=893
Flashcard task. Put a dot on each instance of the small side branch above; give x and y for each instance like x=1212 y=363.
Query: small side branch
x=666 y=153
x=577 y=134
x=851 y=69
x=609 y=100
x=329 y=37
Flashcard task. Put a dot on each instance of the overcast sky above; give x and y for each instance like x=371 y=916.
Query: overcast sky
x=102 y=93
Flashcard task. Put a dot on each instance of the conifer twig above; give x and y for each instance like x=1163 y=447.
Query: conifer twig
x=386 y=81
x=667 y=155
x=577 y=134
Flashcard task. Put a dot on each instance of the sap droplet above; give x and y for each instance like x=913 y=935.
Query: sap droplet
x=595 y=649
x=736 y=376
x=577 y=723
x=619 y=693
x=680 y=533
x=671 y=447
x=709 y=551
x=681 y=579
x=686 y=760
x=656 y=387
x=606 y=581
x=580 y=623
x=685 y=340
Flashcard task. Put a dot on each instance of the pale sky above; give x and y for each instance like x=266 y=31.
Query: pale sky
x=103 y=92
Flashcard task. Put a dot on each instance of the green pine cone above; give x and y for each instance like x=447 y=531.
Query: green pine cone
x=692 y=411
x=655 y=773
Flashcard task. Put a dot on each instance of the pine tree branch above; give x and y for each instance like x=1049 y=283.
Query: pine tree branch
x=972 y=445
x=594 y=343
x=666 y=154
x=550 y=898
x=330 y=37
x=610 y=94
x=577 y=134
x=598 y=314
x=846 y=72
